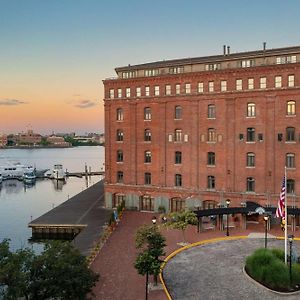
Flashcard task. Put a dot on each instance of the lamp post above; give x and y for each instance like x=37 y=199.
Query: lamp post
x=291 y=238
x=266 y=218
x=227 y=204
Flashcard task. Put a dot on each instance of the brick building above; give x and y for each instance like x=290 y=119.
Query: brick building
x=194 y=132
x=3 y=140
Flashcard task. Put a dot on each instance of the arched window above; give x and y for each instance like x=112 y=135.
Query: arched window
x=148 y=156
x=177 y=204
x=178 y=112
x=120 y=176
x=120 y=114
x=290 y=160
x=120 y=156
x=120 y=135
x=290 y=134
x=251 y=109
x=250 y=184
x=147 y=113
x=211 y=183
x=211 y=158
x=178 y=180
x=211 y=135
x=250 y=159
x=178 y=135
x=250 y=134
x=147 y=135
x=291 y=108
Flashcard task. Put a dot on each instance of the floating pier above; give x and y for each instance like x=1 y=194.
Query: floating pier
x=81 y=219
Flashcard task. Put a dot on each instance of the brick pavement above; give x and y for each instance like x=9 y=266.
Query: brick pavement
x=118 y=277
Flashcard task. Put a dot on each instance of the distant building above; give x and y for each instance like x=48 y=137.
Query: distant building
x=3 y=140
x=193 y=132
x=29 y=137
x=57 y=141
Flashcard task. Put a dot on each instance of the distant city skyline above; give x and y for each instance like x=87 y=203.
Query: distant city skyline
x=55 y=54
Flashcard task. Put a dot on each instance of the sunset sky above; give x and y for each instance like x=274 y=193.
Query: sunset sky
x=54 y=54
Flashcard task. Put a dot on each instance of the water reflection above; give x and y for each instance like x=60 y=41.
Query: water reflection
x=58 y=184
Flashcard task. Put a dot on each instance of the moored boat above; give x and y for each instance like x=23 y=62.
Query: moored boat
x=14 y=170
x=58 y=172
x=29 y=176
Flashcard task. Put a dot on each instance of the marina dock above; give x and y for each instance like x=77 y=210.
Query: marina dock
x=81 y=219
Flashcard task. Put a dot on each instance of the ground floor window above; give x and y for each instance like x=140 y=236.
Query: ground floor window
x=118 y=199
x=209 y=204
x=147 y=203
x=177 y=204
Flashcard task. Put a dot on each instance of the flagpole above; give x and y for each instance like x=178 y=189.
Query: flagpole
x=286 y=219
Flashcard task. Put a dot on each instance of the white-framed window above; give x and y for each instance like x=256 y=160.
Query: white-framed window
x=147 y=156
x=250 y=184
x=250 y=83
x=178 y=135
x=111 y=93
x=187 y=88
x=129 y=74
x=263 y=82
x=211 y=182
x=147 y=135
x=250 y=159
x=200 y=87
x=138 y=92
x=177 y=89
x=176 y=70
x=251 y=110
x=120 y=114
x=290 y=160
x=151 y=72
x=291 y=80
x=147 y=113
x=156 y=90
x=147 y=91
x=290 y=135
x=291 y=108
x=127 y=92
x=119 y=93
x=286 y=59
x=223 y=85
x=239 y=84
x=278 y=81
x=168 y=89
x=247 y=63
x=210 y=86
x=211 y=67
x=211 y=135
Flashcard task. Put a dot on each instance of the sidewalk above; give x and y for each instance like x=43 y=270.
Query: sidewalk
x=119 y=279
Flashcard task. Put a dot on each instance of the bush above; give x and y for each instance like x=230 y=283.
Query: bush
x=267 y=267
x=279 y=253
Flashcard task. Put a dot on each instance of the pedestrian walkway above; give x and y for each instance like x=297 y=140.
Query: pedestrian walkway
x=119 y=279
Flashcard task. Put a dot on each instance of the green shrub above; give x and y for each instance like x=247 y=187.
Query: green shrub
x=276 y=275
x=296 y=274
x=279 y=253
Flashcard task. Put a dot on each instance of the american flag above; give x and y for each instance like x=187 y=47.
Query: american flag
x=280 y=211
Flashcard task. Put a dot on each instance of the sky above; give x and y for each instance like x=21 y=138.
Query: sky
x=54 y=54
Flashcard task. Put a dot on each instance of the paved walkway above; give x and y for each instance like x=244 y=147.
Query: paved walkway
x=215 y=271
x=119 y=279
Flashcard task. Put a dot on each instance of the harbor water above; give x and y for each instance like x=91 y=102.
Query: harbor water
x=20 y=203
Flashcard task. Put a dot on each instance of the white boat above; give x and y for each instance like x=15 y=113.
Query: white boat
x=14 y=170
x=1 y=178
x=58 y=172
x=29 y=176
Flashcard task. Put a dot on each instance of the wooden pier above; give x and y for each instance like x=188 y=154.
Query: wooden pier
x=81 y=219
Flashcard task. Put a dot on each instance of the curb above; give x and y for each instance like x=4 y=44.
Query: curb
x=171 y=255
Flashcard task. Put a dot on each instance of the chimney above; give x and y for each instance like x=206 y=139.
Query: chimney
x=224 y=50
x=228 y=50
x=264 y=46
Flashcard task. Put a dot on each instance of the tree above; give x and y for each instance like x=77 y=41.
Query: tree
x=59 y=272
x=181 y=220
x=151 y=243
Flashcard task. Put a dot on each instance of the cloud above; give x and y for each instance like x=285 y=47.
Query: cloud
x=85 y=103
x=12 y=102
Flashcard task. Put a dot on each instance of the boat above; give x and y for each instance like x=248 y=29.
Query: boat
x=14 y=170
x=58 y=172
x=29 y=176
x=1 y=179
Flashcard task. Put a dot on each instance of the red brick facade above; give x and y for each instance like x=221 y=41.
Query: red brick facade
x=242 y=123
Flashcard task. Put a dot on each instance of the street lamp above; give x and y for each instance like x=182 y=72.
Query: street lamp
x=154 y=220
x=291 y=238
x=227 y=204
x=266 y=218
